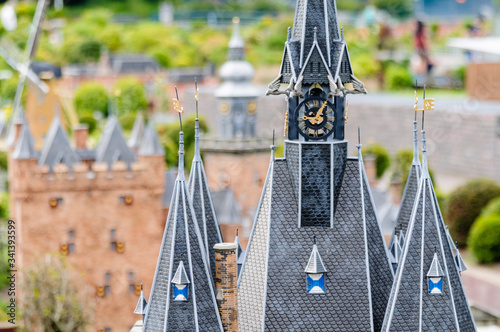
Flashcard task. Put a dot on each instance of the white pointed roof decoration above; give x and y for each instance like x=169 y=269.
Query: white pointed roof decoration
x=315 y=264
x=460 y=262
x=142 y=304
x=435 y=270
x=180 y=276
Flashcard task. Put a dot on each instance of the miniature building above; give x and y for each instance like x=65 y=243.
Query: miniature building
x=101 y=208
x=183 y=295
x=316 y=258
x=427 y=293
x=236 y=159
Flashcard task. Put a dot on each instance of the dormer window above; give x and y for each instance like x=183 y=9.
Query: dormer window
x=181 y=282
x=435 y=276
x=315 y=272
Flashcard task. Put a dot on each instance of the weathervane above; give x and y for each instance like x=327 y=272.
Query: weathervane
x=196 y=95
x=428 y=106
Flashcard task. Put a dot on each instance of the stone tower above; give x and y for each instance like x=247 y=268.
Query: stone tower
x=236 y=159
x=102 y=208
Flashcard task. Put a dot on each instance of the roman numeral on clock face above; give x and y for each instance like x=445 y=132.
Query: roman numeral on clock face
x=328 y=126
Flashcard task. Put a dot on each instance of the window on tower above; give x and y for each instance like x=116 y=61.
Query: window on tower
x=180 y=283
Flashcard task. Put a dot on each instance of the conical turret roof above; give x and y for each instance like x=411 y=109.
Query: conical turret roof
x=112 y=146
x=426 y=254
x=182 y=257
x=56 y=148
x=25 y=146
x=202 y=204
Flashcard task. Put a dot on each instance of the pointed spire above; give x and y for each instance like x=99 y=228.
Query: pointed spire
x=112 y=146
x=315 y=34
x=197 y=154
x=142 y=305
x=289 y=34
x=56 y=148
x=315 y=263
x=416 y=159
x=460 y=262
x=150 y=145
x=450 y=240
x=135 y=139
x=342 y=33
x=25 y=146
x=236 y=44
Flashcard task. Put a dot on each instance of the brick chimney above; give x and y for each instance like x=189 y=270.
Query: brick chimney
x=226 y=279
x=371 y=169
x=81 y=134
x=396 y=192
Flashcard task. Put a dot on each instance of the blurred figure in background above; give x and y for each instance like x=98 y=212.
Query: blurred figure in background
x=422 y=48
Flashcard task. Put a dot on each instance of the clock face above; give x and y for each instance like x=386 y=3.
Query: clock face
x=225 y=109
x=315 y=118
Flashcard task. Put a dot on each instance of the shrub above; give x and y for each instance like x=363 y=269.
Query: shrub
x=398 y=77
x=127 y=121
x=91 y=97
x=88 y=118
x=381 y=155
x=484 y=237
x=130 y=96
x=464 y=205
x=402 y=164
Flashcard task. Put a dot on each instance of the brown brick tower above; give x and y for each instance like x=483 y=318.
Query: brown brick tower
x=102 y=208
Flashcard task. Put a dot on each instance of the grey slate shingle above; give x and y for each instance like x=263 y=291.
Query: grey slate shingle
x=150 y=144
x=25 y=146
x=112 y=146
x=56 y=148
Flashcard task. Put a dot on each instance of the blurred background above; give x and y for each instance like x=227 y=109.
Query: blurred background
x=92 y=59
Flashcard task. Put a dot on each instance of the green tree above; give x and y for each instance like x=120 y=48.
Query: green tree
x=398 y=8
x=129 y=96
x=91 y=97
x=484 y=238
x=382 y=160
x=55 y=300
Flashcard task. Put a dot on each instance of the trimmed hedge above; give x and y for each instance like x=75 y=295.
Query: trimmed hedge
x=464 y=205
x=381 y=155
x=484 y=238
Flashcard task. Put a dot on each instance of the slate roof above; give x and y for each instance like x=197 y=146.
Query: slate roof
x=182 y=241
x=202 y=203
x=170 y=176
x=25 y=146
x=137 y=132
x=272 y=294
x=112 y=146
x=316 y=29
x=150 y=144
x=426 y=250
x=410 y=192
x=460 y=262
x=56 y=148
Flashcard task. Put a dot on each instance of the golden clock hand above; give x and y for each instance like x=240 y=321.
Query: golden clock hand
x=311 y=119
x=320 y=111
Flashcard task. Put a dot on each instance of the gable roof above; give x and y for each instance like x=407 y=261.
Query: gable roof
x=137 y=132
x=56 y=148
x=112 y=146
x=150 y=144
x=142 y=304
x=25 y=146
x=182 y=242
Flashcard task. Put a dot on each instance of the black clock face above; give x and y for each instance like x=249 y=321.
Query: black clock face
x=315 y=118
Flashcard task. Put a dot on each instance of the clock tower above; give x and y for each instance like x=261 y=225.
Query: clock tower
x=316 y=255
x=316 y=74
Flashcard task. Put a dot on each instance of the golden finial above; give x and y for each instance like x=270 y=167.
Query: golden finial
x=285 y=133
